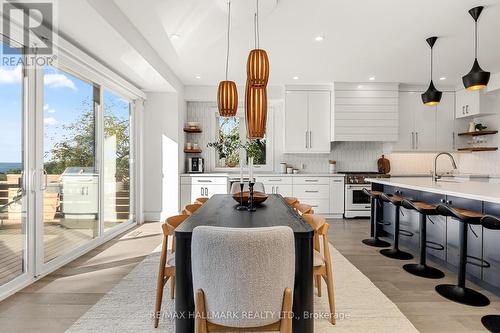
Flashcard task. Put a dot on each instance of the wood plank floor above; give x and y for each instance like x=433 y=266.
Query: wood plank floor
x=414 y=296
x=55 y=302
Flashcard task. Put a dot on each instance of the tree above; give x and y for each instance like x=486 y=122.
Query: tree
x=76 y=146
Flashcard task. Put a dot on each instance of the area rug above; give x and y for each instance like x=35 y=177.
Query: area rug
x=361 y=306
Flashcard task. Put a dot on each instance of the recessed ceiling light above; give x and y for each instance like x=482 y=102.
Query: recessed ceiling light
x=198 y=77
x=175 y=36
x=319 y=38
x=371 y=78
x=442 y=78
x=295 y=78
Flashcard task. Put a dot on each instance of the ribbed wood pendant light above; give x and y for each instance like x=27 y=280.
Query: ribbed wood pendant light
x=255 y=90
x=227 y=93
x=255 y=111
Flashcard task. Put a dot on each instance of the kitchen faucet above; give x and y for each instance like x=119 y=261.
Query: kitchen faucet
x=454 y=164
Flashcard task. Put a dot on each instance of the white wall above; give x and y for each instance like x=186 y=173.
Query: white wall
x=162 y=112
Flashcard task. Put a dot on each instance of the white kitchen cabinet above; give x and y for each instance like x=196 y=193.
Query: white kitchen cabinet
x=446 y=134
x=475 y=103
x=425 y=128
x=277 y=185
x=314 y=191
x=337 y=196
x=307 y=121
x=366 y=112
x=193 y=187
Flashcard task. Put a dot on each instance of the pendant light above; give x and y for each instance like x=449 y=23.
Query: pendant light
x=257 y=62
x=255 y=111
x=477 y=78
x=432 y=96
x=255 y=90
x=227 y=94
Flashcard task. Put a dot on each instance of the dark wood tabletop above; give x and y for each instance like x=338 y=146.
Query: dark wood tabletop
x=219 y=211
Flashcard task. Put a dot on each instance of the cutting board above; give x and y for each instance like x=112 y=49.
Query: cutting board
x=383 y=164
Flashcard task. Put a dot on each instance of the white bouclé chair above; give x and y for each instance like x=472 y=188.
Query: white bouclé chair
x=243 y=271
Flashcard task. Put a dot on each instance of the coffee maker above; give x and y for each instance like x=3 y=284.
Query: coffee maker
x=196 y=164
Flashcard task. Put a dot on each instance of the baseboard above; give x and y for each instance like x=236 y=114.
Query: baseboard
x=151 y=216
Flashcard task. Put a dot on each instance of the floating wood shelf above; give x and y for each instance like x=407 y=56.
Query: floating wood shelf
x=192 y=130
x=478 y=133
x=192 y=151
x=474 y=149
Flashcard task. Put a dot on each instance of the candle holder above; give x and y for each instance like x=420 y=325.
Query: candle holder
x=241 y=206
x=251 y=207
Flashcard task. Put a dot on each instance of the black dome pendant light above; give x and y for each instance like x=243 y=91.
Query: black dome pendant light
x=477 y=78
x=432 y=96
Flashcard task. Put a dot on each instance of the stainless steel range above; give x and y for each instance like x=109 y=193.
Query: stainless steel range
x=357 y=204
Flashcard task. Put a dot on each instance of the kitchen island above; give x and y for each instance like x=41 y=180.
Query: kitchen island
x=443 y=232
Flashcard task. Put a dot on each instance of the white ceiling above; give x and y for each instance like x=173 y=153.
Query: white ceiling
x=363 y=38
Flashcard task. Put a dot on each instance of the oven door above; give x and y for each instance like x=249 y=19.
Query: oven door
x=355 y=199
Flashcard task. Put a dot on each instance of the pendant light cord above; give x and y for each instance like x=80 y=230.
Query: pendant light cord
x=432 y=61
x=228 y=29
x=475 y=39
x=256 y=25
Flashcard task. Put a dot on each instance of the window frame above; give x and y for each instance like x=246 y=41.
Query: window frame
x=269 y=166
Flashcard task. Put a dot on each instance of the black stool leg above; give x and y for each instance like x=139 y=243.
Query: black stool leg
x=421 y=269
x=459 y=293
x=492 y=323
x=374 y=241
x=395 y=252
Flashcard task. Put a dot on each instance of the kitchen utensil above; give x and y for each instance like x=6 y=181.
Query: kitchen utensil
x=383 y=164
x=289 y=170
x=332 y=166
x=282 y=167
x=295 y=171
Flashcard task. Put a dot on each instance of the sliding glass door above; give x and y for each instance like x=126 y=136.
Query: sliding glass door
x=13 y=202
x=70 y=180
x=116 y=160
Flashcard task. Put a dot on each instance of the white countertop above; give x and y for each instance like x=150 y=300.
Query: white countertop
x=263 y=174
x=482 y=191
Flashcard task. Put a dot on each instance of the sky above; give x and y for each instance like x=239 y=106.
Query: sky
x=66 y=98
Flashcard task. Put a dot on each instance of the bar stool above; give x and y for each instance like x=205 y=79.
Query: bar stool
x=201 y=201
x=421 y=269
x=374 y=240
x=491 y=322
x=395 y=252
x=459 y=293
x=302 y=208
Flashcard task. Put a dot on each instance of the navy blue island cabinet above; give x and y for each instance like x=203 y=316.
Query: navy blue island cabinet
x=483 y=252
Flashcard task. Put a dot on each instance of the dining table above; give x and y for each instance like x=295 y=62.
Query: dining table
x=220 y=210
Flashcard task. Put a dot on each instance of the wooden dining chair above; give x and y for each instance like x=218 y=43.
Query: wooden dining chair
x=190 y=209
x=291 y=201
x=303 y=208
x=166 y=269
x=322 y=260
x=201 y=200
x=258 y=283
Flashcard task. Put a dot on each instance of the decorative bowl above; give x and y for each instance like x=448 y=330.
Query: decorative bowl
x=258 y=197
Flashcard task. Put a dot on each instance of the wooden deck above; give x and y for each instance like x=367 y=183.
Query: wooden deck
x=57 y=241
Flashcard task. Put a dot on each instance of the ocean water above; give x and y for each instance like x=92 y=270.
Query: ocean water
x=9 y=166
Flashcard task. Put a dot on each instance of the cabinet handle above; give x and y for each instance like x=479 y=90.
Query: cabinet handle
x=202 y=191
x=272 y=190
x=338 y=180
x=453 y=136
x=204 y=181
x=416 y=140
x=311 y=191
x=467 y=109
x=276 y=192
x=310 y=139
x=275 y=180
x=463 y=109
x=311 y=180
x=206 y=191
x=306 y=140
x=412 y=140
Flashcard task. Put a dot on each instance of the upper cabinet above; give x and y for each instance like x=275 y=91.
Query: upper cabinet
x=365 y=112
x=307 y=121
x=425 y=128
x=476 y=103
